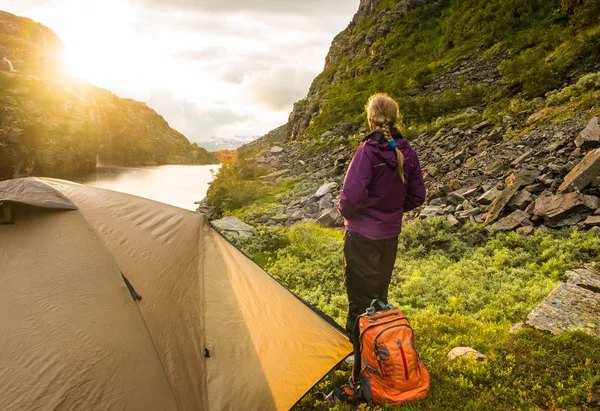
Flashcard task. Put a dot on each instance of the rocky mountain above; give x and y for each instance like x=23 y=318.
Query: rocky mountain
x=52 y=125
x=499 y=98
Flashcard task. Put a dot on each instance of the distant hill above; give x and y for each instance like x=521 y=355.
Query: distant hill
x=54 y=126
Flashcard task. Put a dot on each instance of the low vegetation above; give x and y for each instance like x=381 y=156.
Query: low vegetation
x=459 y=287
x=541 y=45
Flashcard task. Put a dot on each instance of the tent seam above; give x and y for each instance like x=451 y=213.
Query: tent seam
x=134 y=302
x=201 y=283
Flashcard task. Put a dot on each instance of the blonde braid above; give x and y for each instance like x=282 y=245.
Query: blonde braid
x=384 y=112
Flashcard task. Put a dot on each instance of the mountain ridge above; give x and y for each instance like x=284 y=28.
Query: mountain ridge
x=53 y=125
x=484 y=87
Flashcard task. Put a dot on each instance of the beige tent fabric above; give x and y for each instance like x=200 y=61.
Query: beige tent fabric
x=34 y=192
x=294 y=346
x=266 y=348
x=71 y=336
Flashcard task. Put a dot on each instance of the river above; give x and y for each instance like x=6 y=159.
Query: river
x=180 y=186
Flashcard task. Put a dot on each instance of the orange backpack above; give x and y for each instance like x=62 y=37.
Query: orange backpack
x=387 y=367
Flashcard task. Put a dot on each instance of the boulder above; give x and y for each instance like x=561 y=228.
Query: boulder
x=568 y=307
x=489 y=196
x=514 y=220
x=234 y=227
x=330 y=218
x=590 y=136
x=432 y=211
x=325 y=189
x=496 y=135
x=523 y=177
x=326 y=202
x=593 y=221
x=210 y=212
x=465 y=352
x=564 y=209
x=483 y=125
x=455 y=198
x=583 y=174
x=280 y=218
x=521 y=200
x=584 y=277
x=501 y=202
x=276 y=149
x=497 y=167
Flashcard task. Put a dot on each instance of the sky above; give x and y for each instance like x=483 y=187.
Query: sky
x=213 y=68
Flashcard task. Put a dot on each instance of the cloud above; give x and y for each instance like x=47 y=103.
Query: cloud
x=202 y=54
x=198 y=123
x=276 y=89
x=262 y=6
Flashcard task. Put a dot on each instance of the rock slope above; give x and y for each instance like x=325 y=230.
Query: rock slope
x=505 y=125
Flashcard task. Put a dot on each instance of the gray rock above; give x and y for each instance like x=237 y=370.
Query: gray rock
x=455 y=198
x=584 y=277
x=276 y=149
x=280 y=218
x=297 y=215
x=583 y=174
x=330 y=218
x=514 y=220
x=325 y=189
x=521 y=200
x=234 y=227
x=590 y=136
x=496 y=135
x=489 y=196
x=437 y=202
x=465 y=352
x=432 y=211
x=568 y=307
x=595 y=230
x=496 y=168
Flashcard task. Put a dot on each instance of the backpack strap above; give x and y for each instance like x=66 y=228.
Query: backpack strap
x=357 y=354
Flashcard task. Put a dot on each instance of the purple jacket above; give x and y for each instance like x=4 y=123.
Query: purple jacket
x=374 y=198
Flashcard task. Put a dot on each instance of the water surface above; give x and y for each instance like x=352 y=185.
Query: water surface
x=180 y=186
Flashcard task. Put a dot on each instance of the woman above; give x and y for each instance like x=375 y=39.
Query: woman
x=384 y=181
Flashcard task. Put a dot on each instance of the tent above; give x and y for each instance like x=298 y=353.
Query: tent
x=212 y=330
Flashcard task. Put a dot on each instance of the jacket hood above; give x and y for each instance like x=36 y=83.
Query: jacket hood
x=376 y=143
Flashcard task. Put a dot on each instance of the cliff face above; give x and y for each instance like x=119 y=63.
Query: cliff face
x=30 y=47
x=440 y=57
x=53 y=126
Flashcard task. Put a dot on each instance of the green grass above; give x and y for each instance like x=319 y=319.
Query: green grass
x=464 y=287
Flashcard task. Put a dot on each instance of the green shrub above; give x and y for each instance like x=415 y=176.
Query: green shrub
x=587 y=83
x=459 y=288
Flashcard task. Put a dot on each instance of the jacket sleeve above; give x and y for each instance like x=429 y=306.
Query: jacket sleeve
x=355 y=192
x=415 y=191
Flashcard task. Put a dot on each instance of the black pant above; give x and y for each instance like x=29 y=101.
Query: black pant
x=368 y=266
